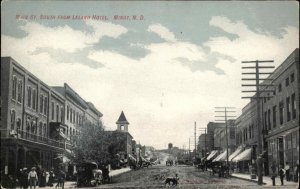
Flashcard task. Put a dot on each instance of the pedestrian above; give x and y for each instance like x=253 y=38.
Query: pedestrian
x=32 y=178
x=42 y=178
x=63 y=178
x=281 y=174
x=51 y=178
x=273 y=176
x=287 y=171
x=24 y=178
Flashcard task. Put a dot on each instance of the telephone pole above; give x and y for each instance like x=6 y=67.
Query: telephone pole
x=225 y=111
x=258 y=91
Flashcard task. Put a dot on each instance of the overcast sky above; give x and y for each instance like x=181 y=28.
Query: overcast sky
x=165 y=70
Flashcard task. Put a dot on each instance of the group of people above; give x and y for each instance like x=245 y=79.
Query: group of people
x=284 y=172
x=36 y=177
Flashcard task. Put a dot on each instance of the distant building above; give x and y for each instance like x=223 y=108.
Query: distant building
x=202 y=142
x=170 y=146
x=211 y=126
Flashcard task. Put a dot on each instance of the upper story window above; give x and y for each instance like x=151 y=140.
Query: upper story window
x=41 y=103
x=20 y=91
x=281 y=110
x=287 y=81
x=68 y=112
x=288 y=109
x=74 y=116
x=71 y=112
x=12 y=119
x=61 y=114
x=45 y=105
x=14 y=87
x=57 y=113
x=279 y=88
x=294 y=105
x=292 y=77
x=34 y=99
x=274 y=116
x=29 y=96
x=45 y=130
x=52 y=110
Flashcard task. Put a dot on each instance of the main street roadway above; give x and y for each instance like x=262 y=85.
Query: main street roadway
x=189 y=177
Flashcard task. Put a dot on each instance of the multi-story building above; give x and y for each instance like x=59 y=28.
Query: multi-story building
x=28 y=110
x=202 y=141
x=246 y=137
x=37 y=121
x=281 y=114
x=220 y=137
x=211 y=126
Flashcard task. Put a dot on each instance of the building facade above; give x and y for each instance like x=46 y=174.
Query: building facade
x=281 y=114
x=211 y=126
x=28 y=110
x=38 y=122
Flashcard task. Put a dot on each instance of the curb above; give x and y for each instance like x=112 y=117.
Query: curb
x=250 y=180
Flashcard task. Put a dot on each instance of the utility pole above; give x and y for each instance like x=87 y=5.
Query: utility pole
x=225 y=111
x=257 y=96
x=195 y=142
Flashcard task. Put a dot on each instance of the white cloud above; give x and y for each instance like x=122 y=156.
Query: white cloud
x=161 y=98
x=162 y=31
x=250 y=45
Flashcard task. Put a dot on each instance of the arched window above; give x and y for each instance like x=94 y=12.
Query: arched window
x=12 y=119
x=14 y=87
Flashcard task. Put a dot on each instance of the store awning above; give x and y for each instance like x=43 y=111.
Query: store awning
x=235 y=153
x=212 y=154
x=221 y=157
x=245 y=155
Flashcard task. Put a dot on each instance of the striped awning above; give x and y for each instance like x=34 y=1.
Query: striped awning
x=221 y=157
x=212 y=154
x=244 y=156
x=235 y=153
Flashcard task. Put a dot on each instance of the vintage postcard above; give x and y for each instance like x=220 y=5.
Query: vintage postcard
x=149 y=94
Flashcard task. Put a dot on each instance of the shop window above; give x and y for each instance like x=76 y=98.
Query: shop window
x=20 y=91
x=294 y=106
x=14 y=87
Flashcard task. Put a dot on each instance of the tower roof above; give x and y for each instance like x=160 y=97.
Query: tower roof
x=122 y=119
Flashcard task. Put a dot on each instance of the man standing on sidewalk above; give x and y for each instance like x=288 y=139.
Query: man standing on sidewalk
x=32 y=177
x=273 y=176
x=287 y=171
x=281 y=174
